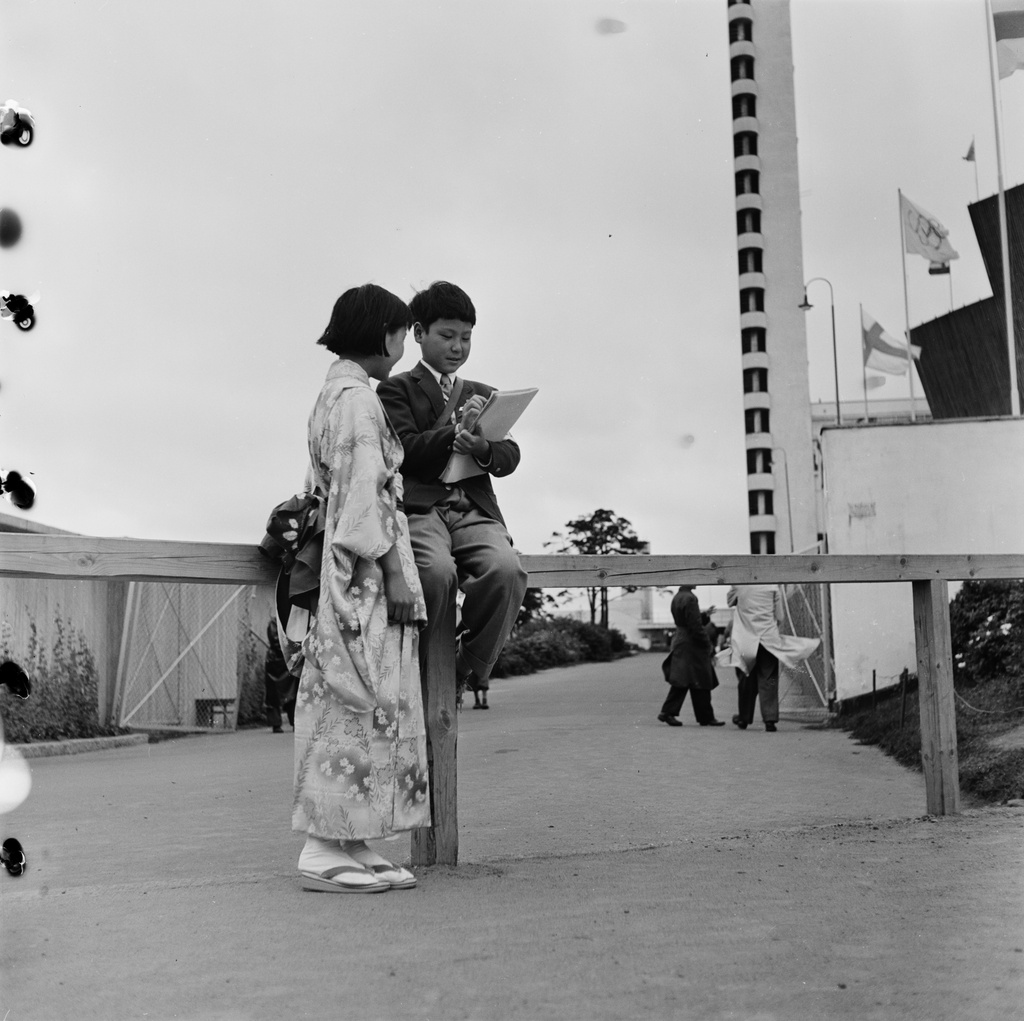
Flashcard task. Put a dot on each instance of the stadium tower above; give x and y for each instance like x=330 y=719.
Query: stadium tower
x=776 y=398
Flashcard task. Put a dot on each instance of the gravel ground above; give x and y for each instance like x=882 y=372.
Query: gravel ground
x=610 y=867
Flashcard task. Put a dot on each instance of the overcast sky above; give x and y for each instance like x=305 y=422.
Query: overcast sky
x=209 y=175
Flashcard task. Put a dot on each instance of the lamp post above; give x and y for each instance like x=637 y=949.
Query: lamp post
x=805 y=305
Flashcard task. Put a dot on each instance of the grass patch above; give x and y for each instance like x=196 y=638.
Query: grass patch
x=989 y=774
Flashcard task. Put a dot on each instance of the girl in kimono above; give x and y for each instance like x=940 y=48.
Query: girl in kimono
x=360 y=740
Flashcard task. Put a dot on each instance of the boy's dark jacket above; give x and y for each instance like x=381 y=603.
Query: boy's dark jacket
x=413 y=401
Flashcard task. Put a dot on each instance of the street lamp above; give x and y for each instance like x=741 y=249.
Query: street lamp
x=805 y=305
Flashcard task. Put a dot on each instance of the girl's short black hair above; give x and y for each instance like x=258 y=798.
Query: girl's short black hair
x=361 y=320
x=442 y=300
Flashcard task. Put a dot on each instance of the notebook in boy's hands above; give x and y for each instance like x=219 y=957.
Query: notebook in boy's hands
x=496 y=418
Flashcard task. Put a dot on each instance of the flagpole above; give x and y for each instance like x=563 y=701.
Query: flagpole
x=864 y=365
x=906 y=308
x=1011 y=347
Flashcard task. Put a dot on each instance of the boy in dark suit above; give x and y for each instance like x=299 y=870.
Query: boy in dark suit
x=458 y=534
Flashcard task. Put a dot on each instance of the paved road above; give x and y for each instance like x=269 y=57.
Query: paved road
x=611 y=867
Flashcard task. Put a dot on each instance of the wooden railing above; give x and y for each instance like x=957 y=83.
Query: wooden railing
x=59 y=556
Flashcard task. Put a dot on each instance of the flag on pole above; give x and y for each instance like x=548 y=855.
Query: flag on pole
x=881 y=351
x=924 y=235
x=1008 y=22
x=874 y=382
x=970 y=153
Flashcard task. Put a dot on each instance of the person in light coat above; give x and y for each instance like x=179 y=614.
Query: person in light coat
x=757 y=649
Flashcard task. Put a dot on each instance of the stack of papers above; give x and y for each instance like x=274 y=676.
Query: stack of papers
x=497 y=417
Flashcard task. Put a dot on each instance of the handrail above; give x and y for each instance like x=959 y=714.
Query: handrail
x=89 y=557
x=29 y=555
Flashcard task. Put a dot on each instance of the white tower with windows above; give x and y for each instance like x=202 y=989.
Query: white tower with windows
x=776 y=397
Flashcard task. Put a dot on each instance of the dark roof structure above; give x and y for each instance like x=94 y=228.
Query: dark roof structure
x=963 y=364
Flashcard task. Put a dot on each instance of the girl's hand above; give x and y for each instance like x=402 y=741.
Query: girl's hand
x=401 y=600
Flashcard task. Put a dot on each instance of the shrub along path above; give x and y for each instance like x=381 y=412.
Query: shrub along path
x=989 y=735
x=612 y=867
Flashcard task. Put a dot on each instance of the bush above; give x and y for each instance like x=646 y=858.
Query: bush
x=994 y=775
x=558 y=641
x=987 y=626
x=619 y=644
x=993 y=707
x=596 y=642
x=537 y=647
x=251 y=687
x=65 y=691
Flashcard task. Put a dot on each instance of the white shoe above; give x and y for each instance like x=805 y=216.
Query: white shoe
x=395 y=876
x=324 y=867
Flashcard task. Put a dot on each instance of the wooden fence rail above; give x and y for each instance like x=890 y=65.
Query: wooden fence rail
x=64 y=556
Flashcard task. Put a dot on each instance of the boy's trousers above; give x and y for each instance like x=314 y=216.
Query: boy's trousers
x=458 y=546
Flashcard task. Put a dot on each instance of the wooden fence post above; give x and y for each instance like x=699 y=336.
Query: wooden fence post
x=440 y=843
x=116 y=608
x=826 y=643
x=935 y=697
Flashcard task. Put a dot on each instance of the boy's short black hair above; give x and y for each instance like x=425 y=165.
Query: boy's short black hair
x=361 y=320
x=442 y=300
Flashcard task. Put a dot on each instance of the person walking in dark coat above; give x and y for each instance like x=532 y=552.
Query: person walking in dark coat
x=280 y=687
x=689 y=665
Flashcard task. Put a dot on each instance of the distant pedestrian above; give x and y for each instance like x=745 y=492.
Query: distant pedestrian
x=280 y=686
x=757 y=649
x=689 y=666
x=711 y=629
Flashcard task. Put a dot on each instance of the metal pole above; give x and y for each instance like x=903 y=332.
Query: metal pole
x=835 y=355
x=864 y=366
x=906 y=309
x=1004 y=245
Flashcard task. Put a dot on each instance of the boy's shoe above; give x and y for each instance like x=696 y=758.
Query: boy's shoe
x=670 y=720
x=770 y=727
x=739 y=723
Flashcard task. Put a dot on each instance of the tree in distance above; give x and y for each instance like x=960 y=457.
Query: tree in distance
x=600 y=532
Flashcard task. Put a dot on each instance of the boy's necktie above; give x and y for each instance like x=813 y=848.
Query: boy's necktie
x=446 y=385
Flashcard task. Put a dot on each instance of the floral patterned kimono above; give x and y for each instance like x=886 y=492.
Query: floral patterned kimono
x=360 y=740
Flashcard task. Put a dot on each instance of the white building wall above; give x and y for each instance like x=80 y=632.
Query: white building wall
x=938 y=487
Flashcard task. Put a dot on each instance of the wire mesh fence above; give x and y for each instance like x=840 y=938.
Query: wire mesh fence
x=809 y=688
